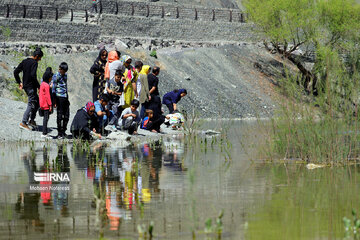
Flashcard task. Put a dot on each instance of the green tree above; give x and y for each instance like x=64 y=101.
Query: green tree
x=288 y=25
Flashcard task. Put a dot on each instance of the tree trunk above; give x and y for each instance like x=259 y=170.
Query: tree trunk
x=308 y=76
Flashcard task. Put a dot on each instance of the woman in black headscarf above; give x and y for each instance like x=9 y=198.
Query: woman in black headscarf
x=98 y=69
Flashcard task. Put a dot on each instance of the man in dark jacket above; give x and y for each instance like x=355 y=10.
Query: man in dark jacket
x=30 y=84
x=85 y=123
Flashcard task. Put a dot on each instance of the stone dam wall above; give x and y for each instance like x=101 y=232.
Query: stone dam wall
x=64 y=21
x=186 y=30
x=35 y=30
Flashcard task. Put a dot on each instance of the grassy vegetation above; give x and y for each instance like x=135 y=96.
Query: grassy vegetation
x=321 y=129
x=5 y=32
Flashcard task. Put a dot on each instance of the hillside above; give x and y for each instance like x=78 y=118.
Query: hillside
x=222 y=81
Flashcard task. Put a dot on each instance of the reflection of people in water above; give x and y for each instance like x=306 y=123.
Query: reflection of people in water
x=113 y=203
x=173 y=155
x=128 y=177
x=153 y=164
x=60 y=197
x=28 y=202
x=121 y=177
x=45 y=195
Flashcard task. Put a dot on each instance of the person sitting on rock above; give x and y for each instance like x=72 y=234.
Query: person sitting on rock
x=170 y=99
x=151 y=124
x=85 y=123
x=102 y=112
x=130 y=118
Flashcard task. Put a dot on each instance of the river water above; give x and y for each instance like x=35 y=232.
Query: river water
x=175 y=185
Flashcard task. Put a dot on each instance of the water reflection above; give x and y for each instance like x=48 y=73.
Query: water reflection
x=27 y=204
x=114 y=190
x=125 y=178
x=173 y=156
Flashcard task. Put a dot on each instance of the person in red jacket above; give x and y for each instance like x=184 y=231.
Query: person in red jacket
x=45 y=99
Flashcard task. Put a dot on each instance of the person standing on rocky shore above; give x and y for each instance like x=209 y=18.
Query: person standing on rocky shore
x=94 y=6
x=144 y=95
x=60 y=89
x=155 y=100
x=30 y=85
x=98 y=70
x=45 y=100
x=131 y=76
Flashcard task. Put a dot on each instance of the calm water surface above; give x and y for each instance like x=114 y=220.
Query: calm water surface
x=178 y=185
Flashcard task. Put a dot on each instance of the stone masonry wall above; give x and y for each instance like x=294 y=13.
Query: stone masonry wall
x=188 y=30
x=31 y=22
x=129 y=8
x=76 y=4
x=50 y=31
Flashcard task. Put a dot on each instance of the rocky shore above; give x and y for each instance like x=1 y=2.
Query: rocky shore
x=11 y=116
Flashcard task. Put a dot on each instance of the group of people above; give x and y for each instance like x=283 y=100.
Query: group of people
x=119 y=91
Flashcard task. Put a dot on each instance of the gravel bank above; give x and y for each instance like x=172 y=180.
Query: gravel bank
x=12 y=112
x=229 y=81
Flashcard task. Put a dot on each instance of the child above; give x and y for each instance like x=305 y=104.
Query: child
x=45 y=99
x=150 y=124
x=175 y=120
x=114 y=88
x=102 y=112
x=59 y=88
x=130 y=117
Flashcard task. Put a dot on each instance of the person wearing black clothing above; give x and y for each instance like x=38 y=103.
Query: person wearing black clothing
x=85 y=123
x=30 y=85
x=60 y=90
x=155 y=105
x=153 y=81
x=152 y=124
x=155 y=102
x=98 y=70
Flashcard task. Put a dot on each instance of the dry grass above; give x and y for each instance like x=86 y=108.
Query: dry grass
x=161 y=65
x=139 y=55
x=4 y=66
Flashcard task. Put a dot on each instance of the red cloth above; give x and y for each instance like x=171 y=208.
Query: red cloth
x=44 y=96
